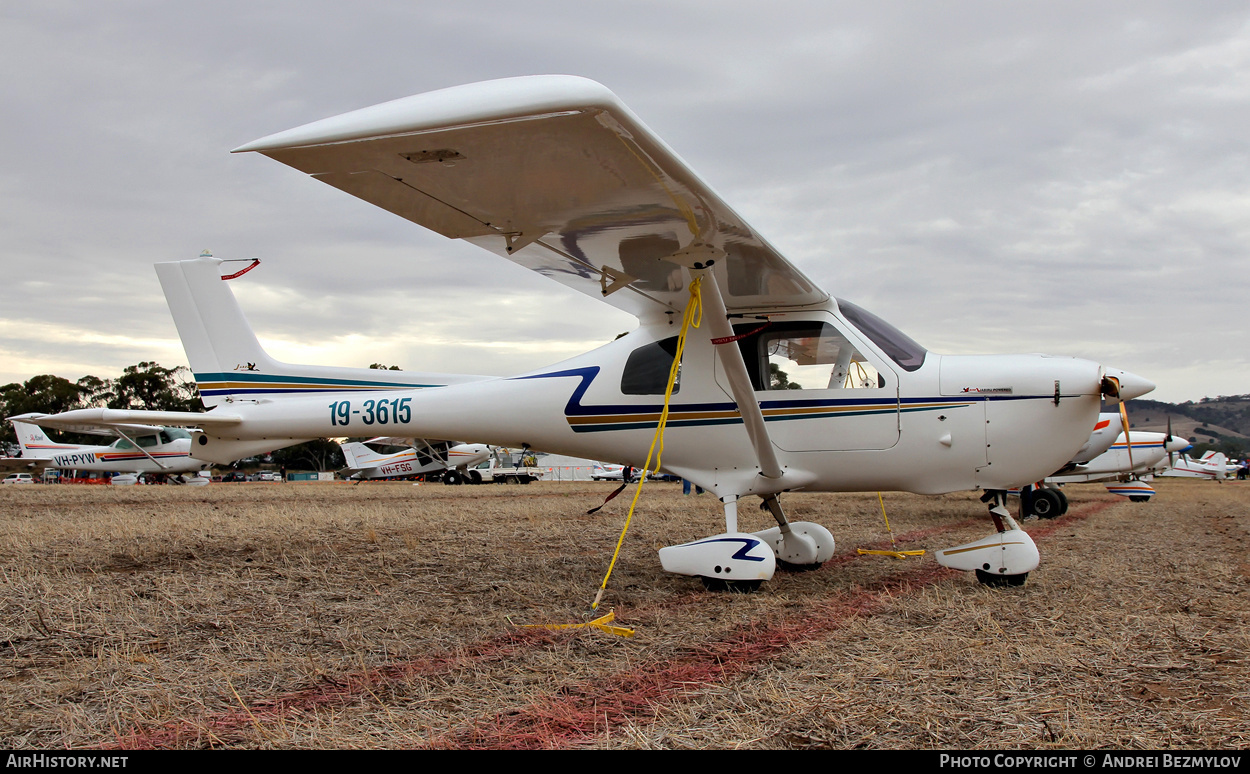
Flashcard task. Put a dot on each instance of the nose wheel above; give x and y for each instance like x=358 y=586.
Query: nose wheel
x=1005 y=558
x=999 y=581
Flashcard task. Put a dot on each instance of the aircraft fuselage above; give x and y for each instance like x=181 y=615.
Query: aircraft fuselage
x=948 y=423
x=164 y=458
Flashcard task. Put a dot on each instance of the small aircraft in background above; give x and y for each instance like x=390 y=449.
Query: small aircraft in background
x=1106 y=456
x=138 y=449
x=608 y=471
x=1212 y=466
x=557 y=175
x=1125 y=464
x=390 y=457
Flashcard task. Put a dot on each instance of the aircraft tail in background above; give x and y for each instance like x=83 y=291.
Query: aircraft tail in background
x=359 y=456
x=34 y=441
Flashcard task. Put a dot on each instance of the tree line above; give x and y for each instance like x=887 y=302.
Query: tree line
x=145 y=385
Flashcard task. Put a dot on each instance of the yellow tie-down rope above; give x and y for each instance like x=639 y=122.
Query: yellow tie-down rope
x=897 y=554
x=601 y=623
x=691 y=318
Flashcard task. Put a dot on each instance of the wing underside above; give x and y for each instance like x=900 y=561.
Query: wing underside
x=123 y=422
x=554 y=173
x=23 y=464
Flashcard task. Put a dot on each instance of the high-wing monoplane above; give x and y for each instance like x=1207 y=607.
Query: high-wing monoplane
x=1212 y=466
x=139 y=448
x=388 y=457
x=1124 y=464
x=556 y=174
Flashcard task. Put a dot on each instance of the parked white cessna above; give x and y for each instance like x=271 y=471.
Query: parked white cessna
x=402 y=457
x=556 y=174
x=139 y=449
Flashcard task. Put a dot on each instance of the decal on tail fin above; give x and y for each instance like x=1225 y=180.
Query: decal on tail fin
x=34 y=442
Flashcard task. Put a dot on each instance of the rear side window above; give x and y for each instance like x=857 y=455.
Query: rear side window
x=646 y=370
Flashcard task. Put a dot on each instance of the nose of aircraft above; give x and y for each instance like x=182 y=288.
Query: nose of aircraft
x=1120 y=385
x=1177 y=444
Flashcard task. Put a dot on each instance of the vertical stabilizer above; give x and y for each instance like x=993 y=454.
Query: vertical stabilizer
x=228 y=361
x=215 y=334
x=1219 y=462
x=358 y=456
x=34 y=441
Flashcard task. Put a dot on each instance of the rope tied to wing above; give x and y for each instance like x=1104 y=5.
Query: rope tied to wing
x=691 y=317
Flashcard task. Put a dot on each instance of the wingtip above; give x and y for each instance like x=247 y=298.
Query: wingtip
x=482 y=101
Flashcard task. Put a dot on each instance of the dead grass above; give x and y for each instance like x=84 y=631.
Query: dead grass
x=384 y=615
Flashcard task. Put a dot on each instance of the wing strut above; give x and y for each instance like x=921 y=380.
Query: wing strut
x=135 y=444
x=722 y=335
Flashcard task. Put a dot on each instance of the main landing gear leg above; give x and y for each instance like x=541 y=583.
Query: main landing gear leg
x=731 y=561
x=799 y=545
x=1002 y=559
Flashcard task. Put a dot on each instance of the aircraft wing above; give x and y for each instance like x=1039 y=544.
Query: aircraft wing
x=111 y=430
x=101 y=421
x=22 y=464
x=555 y=173
x=419 y=443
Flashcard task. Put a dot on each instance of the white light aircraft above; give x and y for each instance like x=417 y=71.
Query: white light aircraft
x=139 y=448
x=1212 y=466
x=556 y=174
x=403 y=457
x=1128 y=459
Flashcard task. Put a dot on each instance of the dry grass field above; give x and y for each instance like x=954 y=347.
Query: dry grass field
x=390 y=615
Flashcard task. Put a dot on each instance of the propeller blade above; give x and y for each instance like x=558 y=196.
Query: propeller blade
x=1128 y=442
x=1168 y=442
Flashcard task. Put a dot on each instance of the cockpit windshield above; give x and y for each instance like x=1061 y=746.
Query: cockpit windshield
x=898 y=345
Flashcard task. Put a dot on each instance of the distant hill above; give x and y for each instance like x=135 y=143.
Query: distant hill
x=1222 y=423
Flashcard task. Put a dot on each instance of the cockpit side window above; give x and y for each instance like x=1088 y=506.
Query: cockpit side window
x=646 y=370
x=386 y=448
x=144 y=441
x=804 y=355
x=897 y=345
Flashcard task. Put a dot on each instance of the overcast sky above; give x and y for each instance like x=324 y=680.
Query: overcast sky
x=1070 y=178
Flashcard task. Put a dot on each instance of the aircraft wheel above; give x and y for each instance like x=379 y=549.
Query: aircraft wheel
x=475 y=476
x=730 y=586
x=1138 y=498
x=1063 y=501
x=998 y=581
x=1046 y=504
x=452 y=478
x=787 y=567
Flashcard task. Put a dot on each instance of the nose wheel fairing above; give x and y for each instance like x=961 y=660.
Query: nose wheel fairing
x=1011 y=552
x=1003 y=559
